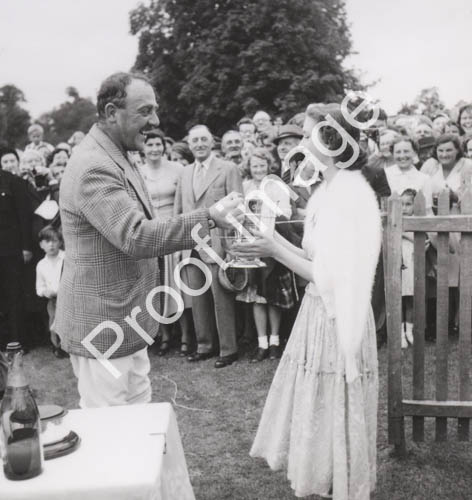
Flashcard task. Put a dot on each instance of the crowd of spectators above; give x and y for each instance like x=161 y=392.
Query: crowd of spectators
x=405 y=154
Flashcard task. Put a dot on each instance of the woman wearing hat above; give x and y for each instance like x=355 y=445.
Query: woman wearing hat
x=320 y=418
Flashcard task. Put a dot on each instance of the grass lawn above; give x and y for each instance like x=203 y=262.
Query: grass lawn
x=226 y=404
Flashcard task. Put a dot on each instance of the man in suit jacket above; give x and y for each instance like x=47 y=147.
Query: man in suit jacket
x=15 y=250
x=107 y=305
x=203 y=183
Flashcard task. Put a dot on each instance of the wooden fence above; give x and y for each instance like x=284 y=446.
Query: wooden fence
x=440 y=408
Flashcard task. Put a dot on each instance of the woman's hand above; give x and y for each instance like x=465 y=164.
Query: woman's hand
x=262 y=246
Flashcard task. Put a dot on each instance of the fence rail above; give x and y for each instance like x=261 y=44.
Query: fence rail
x=452 y=236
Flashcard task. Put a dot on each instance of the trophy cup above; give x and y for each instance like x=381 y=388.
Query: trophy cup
x=244 y=232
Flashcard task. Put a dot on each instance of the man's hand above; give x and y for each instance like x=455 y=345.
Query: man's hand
x=226 y=210
x=27 y=256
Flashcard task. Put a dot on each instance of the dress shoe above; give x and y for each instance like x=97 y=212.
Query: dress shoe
x=260 y=355
x=223 y=361
x=274 y=352
x=200 y=356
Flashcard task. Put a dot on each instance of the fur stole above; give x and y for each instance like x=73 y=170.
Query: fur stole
x=344 y=224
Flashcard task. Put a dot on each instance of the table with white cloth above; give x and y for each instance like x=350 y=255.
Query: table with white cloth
x=126 y=453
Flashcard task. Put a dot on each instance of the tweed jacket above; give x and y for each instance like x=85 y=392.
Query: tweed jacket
x=112 y=243
x=222 y=178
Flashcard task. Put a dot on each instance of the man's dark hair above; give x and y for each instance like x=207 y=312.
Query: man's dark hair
x=113 y=90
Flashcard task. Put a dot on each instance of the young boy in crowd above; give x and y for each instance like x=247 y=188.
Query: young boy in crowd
x=48 y=275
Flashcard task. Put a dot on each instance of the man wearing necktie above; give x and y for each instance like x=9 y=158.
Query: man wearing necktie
x=206 y=181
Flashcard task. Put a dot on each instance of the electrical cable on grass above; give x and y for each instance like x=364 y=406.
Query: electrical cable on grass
x=173 y=399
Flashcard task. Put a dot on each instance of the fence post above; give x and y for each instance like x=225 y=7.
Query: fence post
x=419 y=309
x=465 y=319
x=442 y=316
x=396 y=428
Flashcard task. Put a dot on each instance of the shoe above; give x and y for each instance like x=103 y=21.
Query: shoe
x=163 y=348
x=223 y=361
x=260 y=355
x=200 y=356
x=274 y=352
x=183 y=349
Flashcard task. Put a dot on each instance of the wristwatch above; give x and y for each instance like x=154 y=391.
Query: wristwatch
x=211 y=223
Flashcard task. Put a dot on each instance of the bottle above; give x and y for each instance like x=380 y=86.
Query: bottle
x=20 y=426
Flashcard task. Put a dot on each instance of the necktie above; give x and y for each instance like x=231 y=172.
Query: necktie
x=286 y=176
x=198 y=179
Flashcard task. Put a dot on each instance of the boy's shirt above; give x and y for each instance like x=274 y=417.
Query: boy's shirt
x=48 y=274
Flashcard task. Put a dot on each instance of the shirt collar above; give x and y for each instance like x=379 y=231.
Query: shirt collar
x=205 y=164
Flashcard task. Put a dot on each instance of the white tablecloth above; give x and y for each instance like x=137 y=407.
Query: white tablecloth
x=126 y=453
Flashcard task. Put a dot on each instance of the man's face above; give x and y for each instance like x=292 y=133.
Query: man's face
x=423 y=130
x=9 y=163
x=247 y=130
x=35 y=136
x=231 y=145
x=138 y=117
x=285 y=145
x=262 y=121
x=200 y=142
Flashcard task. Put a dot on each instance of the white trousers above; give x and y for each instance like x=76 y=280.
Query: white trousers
x=98 y=387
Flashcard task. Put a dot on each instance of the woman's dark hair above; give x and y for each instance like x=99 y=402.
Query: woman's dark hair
x=405 y=138
x=156 y=134
x=9 y=151
x=52 y=154
x=183 y=150
x=113 y=90
x=330 y=137
x=443 y=139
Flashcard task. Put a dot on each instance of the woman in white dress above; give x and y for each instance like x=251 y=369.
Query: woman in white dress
x=320 y=418
x=403 y=173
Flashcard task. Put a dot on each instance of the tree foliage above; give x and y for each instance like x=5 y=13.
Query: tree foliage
x=213 y=61
x=14 y=120
x=428 y=102
x=77 y=113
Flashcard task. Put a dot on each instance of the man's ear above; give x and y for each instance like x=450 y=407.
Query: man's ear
x=110 y=112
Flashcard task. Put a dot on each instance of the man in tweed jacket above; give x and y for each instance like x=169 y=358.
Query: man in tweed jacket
x=105 y=308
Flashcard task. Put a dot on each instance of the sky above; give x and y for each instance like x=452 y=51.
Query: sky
x=405 y=45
